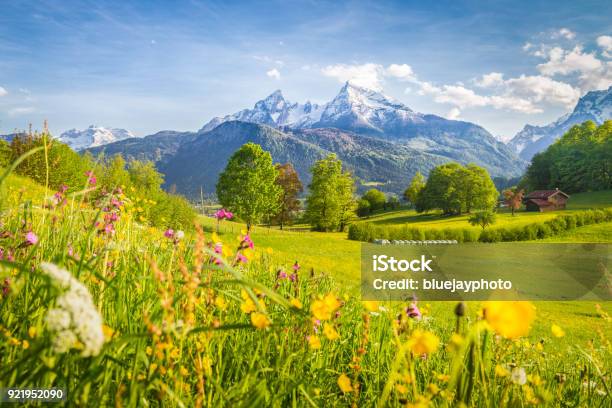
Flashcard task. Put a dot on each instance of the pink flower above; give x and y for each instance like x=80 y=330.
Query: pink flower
x=31 y=238
x=296 y=266
x=413 y=311
x=248 y=241
x=223 y=214
x=241 y=258
x=281 y=275
x=91 y=178
x=169 y=233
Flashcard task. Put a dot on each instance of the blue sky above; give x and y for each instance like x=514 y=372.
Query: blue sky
x=152 y=65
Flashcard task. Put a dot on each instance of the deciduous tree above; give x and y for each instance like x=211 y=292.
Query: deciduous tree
x=247 y=186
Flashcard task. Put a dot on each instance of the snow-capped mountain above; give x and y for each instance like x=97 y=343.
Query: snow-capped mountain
x=371 y=113
x=93 y=136
x=366 y=111
x=354 y=108
x=274 y=111
x=595 y=106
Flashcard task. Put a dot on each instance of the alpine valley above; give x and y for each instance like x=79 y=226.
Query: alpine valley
x=380 y=140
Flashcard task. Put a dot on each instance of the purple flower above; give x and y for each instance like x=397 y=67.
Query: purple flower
x=296 y=266
x=241 y=258
x=169 y=233
x=6 y=287
x=281 y=275
x=293 y=277
x=31 y=238
x=413 y=311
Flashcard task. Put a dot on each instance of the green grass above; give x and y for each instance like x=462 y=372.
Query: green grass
x=435 y=220
x=174 y=344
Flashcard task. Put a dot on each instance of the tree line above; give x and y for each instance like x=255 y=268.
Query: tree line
x=581 y=160
x=257 y=190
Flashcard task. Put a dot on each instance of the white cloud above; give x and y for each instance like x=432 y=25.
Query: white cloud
x=403 y=72
x=20 y=111
x=3 y=91
x=490 y=80
x=453 y=113
x=592 y=72
x=367 y=75
x=564 y=33
x=538 y=88
x=565 y=62
x=370 y=75
x=522 y=94
x=605 y=43
x=274 y=73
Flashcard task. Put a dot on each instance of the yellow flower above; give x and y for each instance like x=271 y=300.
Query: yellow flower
x=455 y=343
x=296 y=303
x=557 y=331
x=314 y=342
x=260 y=320
x=32 y=332
x=323 y=309
x=402 y=389
x=269 y=251
x=248 y=253
x=371 y=305
x=423 y=342
x=433 y=389
x=510 y=319
x=345 y=383
x=330 y=332
x=149 y=350
x=108 y=332
x=184 y=372
x=248 y=306
x=501 y=371
x=215 y=238
x=221 y=303
x=25 y=344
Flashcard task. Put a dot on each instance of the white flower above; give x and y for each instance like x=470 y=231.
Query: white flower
x=518 y=375
x=179 y=234
x=75 y=318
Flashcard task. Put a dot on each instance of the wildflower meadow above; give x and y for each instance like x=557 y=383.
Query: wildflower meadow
x=120 y=313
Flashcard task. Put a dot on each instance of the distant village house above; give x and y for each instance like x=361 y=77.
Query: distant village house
x=545 y=200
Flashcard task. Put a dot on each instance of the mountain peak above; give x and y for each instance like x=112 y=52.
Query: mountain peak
x=93 y=136
x=594 y=105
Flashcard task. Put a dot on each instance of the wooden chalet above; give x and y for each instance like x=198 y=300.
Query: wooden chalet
x=545 y=200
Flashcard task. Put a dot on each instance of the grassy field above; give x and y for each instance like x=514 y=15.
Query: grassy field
x=436 y=220
x=181 y=326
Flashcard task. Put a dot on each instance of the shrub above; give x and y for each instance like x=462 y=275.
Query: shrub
x=490 y=235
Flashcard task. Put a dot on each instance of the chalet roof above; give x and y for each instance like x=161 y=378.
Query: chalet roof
x=540 y=203
x=544 y=194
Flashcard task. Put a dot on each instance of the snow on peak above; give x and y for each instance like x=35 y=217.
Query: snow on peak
x=93 y=136
x=365 y=107
x=595 y=106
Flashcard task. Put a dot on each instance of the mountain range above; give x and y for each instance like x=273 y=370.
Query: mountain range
x=93 y=136
x=595 y=106
x=382 y=141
